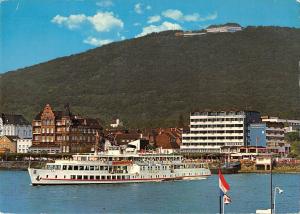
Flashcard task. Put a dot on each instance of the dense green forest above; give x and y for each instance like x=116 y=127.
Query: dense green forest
x=158 y=79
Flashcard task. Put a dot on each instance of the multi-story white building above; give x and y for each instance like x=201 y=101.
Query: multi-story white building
x=15 y=125
x=218 y=131
x=23 y=145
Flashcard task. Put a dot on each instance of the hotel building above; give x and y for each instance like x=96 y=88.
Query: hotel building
x=61 y=131
x=218 y=131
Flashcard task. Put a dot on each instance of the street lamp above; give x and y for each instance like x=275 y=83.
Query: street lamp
x=275 y=191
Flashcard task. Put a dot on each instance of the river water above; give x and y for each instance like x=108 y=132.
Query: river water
x=248 y=193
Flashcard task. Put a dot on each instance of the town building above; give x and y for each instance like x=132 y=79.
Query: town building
x=116 y=123
x=275 y=138
x=63 y=130
x=23 y=145
x=218 y=131
x=257 y=135
x=289 y=125
x=15 y=125
x=8 y=144
x=168 y=140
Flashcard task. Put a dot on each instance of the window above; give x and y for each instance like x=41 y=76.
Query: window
x=92 y=177
x=97 y=177
x=81 y=167
x=91 y=167
x=96 y=167
x=85 y=177
x=102 y=177
x=86 y=168
x=75 y=167
x=70 y=167
x=64 y=167
x=73 y=176
x=79 y=177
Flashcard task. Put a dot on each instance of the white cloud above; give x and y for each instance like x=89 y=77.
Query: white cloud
x=177 y=15
x=157 y=28
x=298 y=1
x=104 y=22
x=136 y=24
x=138 y=8
x=101 y=21
x=72 y=22
x=208 y=17
x=105 y=3
x=173 y=14
x=153 y=19
x=148 y=7
x=1 y=1
x=97 y=42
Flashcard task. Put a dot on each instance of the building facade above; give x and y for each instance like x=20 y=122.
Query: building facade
x=23 y=145
x=257 y=135
x=8 y=144
x=218 y=131
x=62 y=129
x=15 y=125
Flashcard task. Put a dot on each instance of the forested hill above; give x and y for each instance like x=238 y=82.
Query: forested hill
x=152 y=80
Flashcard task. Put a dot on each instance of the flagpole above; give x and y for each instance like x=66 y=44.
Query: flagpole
x=223 y=208
x=220 y=203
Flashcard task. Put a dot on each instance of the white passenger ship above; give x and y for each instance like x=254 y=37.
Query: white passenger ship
x=118 y=165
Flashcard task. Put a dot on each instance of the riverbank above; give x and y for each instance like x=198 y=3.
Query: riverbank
x=23 y=166
x=20 y=165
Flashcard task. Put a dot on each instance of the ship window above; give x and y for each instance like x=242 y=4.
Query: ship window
x=96 y=167
x=73 y=177
x=108 y=177
x=98 y=177
x=64 y=167
x=85 y=177
x=79 y=177
x=70 y=167
x=81 y=167
x=118 y=177
x=92 y=177
x=105 y=168
x=86 y=168
x=75 y=167
x=64 y=176
x=123 y=177
x=91 y=167
x=101 y=167
x=102 y=177
x=113 y=177
x=55 y=176
x=47 y=176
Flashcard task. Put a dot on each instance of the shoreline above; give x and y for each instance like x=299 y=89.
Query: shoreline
x=23 y=166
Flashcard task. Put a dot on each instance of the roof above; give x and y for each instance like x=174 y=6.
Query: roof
x=12 y=138
x=15 y=119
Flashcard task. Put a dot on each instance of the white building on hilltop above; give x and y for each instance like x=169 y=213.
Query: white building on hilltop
x=218 y=131
x=15 y=125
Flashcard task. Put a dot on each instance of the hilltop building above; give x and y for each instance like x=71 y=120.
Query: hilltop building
x=227 y=28
x=218 y=131
x=61 y=131
x=15 y=125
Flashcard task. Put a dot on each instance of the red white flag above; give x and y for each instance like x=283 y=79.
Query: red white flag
x=224 y=186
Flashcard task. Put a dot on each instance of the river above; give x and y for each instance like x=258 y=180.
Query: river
x=248 y=193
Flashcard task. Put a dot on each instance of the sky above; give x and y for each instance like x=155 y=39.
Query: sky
x=35 y=31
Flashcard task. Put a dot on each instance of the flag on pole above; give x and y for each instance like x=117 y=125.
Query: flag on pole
x=224 y=186
x=226 y=199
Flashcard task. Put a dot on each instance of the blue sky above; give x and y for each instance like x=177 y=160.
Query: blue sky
x=34 y=31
